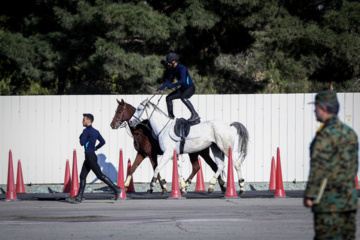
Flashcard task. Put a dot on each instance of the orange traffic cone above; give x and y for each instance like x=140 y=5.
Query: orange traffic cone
x=20 y=187
x=357 y=183
x=230 y=186
x=120 y=180
x=75 y=179
x=175 y=189
x=279 y=191
x=272 y=185
x=200 y=185
x=10 y=191
x=67 y=180
x=131 y=187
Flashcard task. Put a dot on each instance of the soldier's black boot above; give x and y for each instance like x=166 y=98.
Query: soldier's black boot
x=194 y=115
x=117 y=190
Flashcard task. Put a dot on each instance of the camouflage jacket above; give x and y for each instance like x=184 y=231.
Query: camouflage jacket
x=334 y=155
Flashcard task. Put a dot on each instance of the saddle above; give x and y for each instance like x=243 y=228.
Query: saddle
x=182 y=130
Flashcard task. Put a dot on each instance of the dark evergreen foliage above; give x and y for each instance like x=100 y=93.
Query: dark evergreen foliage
x=229 y=46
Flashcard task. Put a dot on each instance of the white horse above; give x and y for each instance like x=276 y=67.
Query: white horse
x=217 y=135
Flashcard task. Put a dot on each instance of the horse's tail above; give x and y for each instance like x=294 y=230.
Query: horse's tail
x=243 y=135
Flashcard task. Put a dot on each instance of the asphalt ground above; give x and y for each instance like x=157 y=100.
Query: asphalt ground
x=156 y=195
x=199 y=215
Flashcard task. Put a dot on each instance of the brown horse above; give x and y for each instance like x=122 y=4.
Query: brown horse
x=147 y=146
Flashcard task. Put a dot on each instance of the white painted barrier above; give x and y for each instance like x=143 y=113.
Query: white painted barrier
x=42 y=131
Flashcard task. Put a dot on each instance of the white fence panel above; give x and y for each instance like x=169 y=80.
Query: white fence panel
x=266 y=141
x=297 y=140
x=43 y=131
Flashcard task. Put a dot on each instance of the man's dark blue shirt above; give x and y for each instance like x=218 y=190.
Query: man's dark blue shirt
x=88 y=139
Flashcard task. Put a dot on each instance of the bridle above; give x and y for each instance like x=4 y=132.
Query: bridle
x=148 y=101
x=144 y=110
x=119 y=120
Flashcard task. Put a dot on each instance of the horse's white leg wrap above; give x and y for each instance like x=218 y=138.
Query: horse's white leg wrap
x=127 y=182
x=153 y=181
x=182 y=182
x=213 y=181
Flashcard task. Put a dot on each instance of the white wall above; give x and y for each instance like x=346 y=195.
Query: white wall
x=43 y=131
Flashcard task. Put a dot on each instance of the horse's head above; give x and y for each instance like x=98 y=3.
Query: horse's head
x=140 y=113
x=122 y=115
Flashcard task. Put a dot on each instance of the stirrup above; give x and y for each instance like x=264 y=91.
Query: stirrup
x=194 y=119
x=194 y=122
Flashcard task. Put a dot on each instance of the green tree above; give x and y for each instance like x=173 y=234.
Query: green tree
x=229 y=46
x=99 y=47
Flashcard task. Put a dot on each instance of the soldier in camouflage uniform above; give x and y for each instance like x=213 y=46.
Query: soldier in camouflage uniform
x=331 y=191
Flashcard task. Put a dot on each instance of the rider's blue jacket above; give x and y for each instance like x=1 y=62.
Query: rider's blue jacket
x=182 y=74
x=88 y=139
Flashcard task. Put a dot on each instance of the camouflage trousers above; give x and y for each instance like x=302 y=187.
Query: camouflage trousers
x=339 y=225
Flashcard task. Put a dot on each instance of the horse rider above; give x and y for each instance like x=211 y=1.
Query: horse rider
x=186 y=90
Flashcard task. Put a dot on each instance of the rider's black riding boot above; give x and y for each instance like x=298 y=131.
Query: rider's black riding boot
x=194 y=115
x=117 y=190
x=79 y=196
x=170 y=109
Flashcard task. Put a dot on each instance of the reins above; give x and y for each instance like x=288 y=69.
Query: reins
x=155 y=105
x=147 y=125
x=149 y=117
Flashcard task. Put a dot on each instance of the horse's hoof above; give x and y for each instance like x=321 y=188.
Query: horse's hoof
x=223 y=189
x=242 y=191
x=150 y=191
x=183 y=192
x=210 y=190
x=164 y=191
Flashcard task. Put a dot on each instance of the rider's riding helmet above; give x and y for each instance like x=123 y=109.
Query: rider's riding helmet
x=172 y=56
